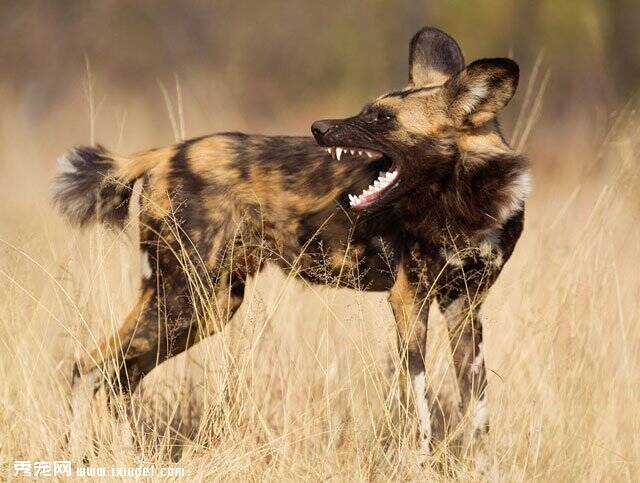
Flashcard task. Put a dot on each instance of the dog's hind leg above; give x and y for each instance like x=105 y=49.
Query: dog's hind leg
x=184 y=322
x=154 y=331
x=178 y=327
x=91 y=370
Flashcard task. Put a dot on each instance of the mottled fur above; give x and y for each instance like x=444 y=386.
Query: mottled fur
x=215 y=209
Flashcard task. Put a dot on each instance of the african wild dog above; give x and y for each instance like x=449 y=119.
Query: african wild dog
x=418 y=194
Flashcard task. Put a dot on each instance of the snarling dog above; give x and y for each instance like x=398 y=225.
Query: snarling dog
x=419 y=195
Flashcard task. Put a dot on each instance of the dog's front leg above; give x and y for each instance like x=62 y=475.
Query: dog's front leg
x=411 y=310
x=465 y=335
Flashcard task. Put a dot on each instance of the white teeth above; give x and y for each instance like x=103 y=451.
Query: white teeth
x=384 y=180
x=337 y=152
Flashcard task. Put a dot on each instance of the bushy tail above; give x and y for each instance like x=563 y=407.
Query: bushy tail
x=88 y=187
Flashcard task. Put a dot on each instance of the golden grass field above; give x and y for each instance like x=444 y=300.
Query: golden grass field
x=302 y=384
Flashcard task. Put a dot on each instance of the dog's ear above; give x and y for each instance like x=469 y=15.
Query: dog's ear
x=476 y=94
x=433 y=57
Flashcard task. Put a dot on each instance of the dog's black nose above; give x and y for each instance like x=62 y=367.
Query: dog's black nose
x=320 y=128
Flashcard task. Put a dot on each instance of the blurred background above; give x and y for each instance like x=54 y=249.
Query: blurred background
x=136 y=75
x=278 y=65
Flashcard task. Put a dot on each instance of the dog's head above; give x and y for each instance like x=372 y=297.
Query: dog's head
x=415 y=132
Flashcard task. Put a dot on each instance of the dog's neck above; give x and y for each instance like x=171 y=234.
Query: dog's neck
x=476 y=195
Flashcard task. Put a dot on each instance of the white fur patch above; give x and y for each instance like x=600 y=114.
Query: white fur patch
x=145 y=265
x=491 y=252
x=477 y=362
x=452 y=258
x=477 y=93
x=518 y=191
x=422 y=407
x=81 y=398
x=74 y=202
x=455 y=308
x=480 y=415
x=64 y=165
x=522 y=187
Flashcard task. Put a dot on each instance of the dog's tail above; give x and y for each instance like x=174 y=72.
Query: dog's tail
x=94 y=185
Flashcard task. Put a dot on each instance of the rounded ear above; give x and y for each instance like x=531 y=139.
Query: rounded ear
x=434 y=56
x=476 y=94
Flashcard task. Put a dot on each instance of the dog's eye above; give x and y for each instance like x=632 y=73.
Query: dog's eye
x=376 y=116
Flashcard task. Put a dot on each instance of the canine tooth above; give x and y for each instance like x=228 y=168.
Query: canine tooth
x=338 y=153
x=369 y=153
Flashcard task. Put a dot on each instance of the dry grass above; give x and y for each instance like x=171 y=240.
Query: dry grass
x=302 y=384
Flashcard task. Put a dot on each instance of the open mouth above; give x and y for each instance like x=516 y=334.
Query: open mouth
x=385 y=180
